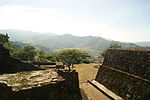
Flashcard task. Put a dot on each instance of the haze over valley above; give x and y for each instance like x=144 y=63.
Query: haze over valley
x=56 y=41
x=74 y=49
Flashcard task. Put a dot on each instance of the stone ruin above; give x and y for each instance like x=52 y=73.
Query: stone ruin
x=126 y=72
x=34 y=85
x=9 y=64
x=28 y=82
x=39 y=85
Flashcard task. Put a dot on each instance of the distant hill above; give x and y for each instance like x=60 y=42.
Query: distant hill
x=19 y=35
x=20 y=45
x=144 y=44
x=62 y=41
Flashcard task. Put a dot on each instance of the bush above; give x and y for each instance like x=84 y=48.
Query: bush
x=86 y=61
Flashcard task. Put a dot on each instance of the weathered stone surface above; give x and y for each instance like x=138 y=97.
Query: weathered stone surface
x=5 y=91
x=72 y=84
x=13 y=65
x=27 y=80
x=38 y=85
x=9 y=64
x=132 y=60
x=34 y=85
x=126 y=72
x=124 y=85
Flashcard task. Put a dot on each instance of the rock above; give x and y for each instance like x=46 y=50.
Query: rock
x=5 y=91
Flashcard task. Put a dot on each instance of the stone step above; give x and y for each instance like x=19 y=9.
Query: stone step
x=105 y=90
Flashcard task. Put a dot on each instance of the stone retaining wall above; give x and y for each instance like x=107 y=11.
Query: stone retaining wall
x=71 y=79
x=47 y=92
x=133 y=61
x=39 y=85
x=126 y=86
x=126 y=72
x=9 y=64
x=12 y=65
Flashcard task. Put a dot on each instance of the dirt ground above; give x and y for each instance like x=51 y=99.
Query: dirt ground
x=86 y=71
x=88 y=91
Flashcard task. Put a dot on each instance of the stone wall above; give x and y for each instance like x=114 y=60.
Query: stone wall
x=72 y=83
x=38 y=85
x=9 y=64
x=12 y=65
x=51 y=91
x=71 y=79
x=133 y=61
x=126 y=72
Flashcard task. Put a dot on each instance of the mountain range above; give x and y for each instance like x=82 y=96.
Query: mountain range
x=61 y=41
x=143 y=43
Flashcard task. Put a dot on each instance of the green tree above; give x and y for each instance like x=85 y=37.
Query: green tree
x=70 y=57
x=10 y=47
x=42 y=56
x=86 y=57
x=113 y=45
x=53 y=57
x=28 y=53
x=4 y=39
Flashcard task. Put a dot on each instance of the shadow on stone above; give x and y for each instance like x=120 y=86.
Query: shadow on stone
x=71 y=84
x=9 y=64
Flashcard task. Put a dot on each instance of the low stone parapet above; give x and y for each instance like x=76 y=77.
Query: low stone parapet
x=104 y=90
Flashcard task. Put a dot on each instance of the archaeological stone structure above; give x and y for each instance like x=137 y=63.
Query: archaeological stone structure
x=9 y=64
x=39 y=85
x=24 y=81
x=126 y=72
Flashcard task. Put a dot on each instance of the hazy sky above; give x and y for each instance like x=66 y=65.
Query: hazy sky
x=121 y=20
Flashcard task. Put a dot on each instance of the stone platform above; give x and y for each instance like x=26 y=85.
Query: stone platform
x=9 y=64
x=38 y=85
x=126 y=72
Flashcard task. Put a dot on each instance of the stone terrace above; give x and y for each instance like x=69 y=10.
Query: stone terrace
x=35 y=85
x=27 y=80
x=126 y=72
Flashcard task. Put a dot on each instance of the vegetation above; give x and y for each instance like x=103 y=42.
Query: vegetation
x=63 y=41
x=24 y=51
x=86 y=61
x=53 y=57
x=103 y=53
x=4 y=38
x=86 y=58
x=115 y=45
x=42 y=56
x=72 y=56
x=52 y=43
x=28 y=53
x=69 y=57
